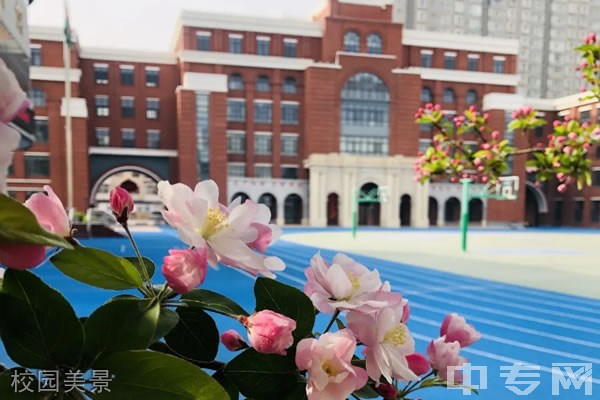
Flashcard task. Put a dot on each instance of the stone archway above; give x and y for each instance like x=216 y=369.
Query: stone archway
x=270 y=201
x=405 y=210
x=452 y=211
x=242 y=195
x=369 y=213
x=333 y=212
x=433 y=211
x=292 y=209
x=475 y=210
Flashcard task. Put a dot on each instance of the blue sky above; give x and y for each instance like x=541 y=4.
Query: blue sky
x=148 y=24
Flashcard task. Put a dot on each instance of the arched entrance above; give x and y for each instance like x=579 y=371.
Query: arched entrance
x=535 y=204
x=292 y=209
x=269 y=200
x=452 y=210
x=405 y=210
x=243 y=196
x=475 y=210
x=332 y=210
x=433 y=211
x=369 y=213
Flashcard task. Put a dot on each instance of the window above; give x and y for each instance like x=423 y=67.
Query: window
x=236 y=169
x=126 y=75
x=595 y=211
x=424 y=144
x=38 y=97
x=128 y=137
x=289 y=145
x=236 y=142
x=289 y=113
x=473 y=63
x=36 y=55
x=153 y=139
x=539 y=131
x=471 y=97
x=374 y=44
x=235 y=82
x=364 y=145
x=584 y=116
x=426 y=95
x=289 y=47
x=448 y=96
x=37 y=166
x=102 y=109
x=236 y=110
x=352 y=42
x=558 y=211
x=289 y=172
x=102 y=137
x=578 y=211
x=203 y=41
x=41 y=130
x=152 y=108
x=101 y=74
x=450 y=60
x=498 y=66
x=235 y=43
x=263 y=45
x=426 y=59
x=152 y=76
x=263 y=171
x=262 y=144
x=263 y=112
x=289 y=85
x=127 y=107
x=263 y=84
x=596 y=177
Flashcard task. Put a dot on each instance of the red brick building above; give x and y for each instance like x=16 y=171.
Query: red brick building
x=295 y=114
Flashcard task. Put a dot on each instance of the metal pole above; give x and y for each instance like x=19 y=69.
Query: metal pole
x=354 y=213
x=68 y=127
x=464 y=213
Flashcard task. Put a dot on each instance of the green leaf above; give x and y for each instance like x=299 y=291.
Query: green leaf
x=196 y=336
x=367 y=392
x=121 y=324
x=232 y=390
x=212 y=301
x=39 y=327
x=286 y=300
x=262 y=376
x=10 y=392
x=167 y=320
x=19 y=225
x=150 y=267
x=150 y=375
x=98 y=268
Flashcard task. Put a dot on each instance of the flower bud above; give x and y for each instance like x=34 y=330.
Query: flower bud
x=418 y=363
x=387 y=391
x=270 y=332
x=562 y=188
x=185 y=269
x=233 y=341
x=121 y=204
x=21 y=256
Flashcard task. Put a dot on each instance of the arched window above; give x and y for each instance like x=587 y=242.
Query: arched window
x=365 y=115
x=374 y=44
x=352 y=42
x=448 y=96
x=426 y=95
x=263 y=84
x=471 y=97
x=235 y=82
x=289 y=85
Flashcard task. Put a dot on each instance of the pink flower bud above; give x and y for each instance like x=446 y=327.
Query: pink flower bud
x=445 y=357
x=50 y=212
x=495 y=135
x=472 y=108
x=270 y=332
x=453 y=179
x=556 y=123
x=437 y=107
x=477 y=162
x=233 y=341
x=481 y=168
x=387 y=391
x=418 y=363
x=515 y=115
x=21 y=256
x=527 y=110
x=484 y=179
x=572 y=135
x=586 y=145
x=568 y=150
x=417 y=115
x=121 y=204
x=560 y=176
x=185 y=269
x=582 y=89
x=486 y=116
x=562 y=188
x=486 y=146
x=429 y=106
x=455 y=328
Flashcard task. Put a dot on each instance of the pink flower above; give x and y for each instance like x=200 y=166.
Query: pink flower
x=567 y=150
x=185 y=269
x=387 y=391
x=229 y=233
x=21 y=256
x=405 y=313
x=12 y=98
x=572 y=135
x=387 y=343
x=562 y=188
x=346 y=285
x=270 y=332
x=121 y=204
x=328 y=360
x=50 y=212
x=495 y=135
x=486 y=146
x=233 y=341
x=445 y=358
x=418 y=363
x=455 y=328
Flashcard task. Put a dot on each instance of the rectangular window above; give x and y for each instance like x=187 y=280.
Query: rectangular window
x=36 y=55
x=236 y=143
x=153 y=139
x=101 y=74
x=152 y=108
x=558 y=211
x=263 y=144
x=426 y=60
x=364 y=145
x=102 y=137
x=236 y=170
x=102 y=109
x=235 y=44
x=263 y=112
x=152 y=76
x=595 y=211
x=128 y=137
x=578 y=211
x=289 y=113
x=127 y=75
x=596 y=177
x=584 y=116
x=289 y=47
x=41 y=130
x=38 y=97
x=127 y=107
x=289 y=145
x=473 y=63
x=202 y=136
x=499 y=66
x=289 y=172
x=37 y=166
x=263 y=171
x=263 y=45
x=424 y=144
x=450 y=61
x=236 y=110
x=203 y=41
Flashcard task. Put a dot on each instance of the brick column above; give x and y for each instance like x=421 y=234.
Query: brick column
x=404 y=132
x=186 y=137
x=321 y=111
x=81 y=175
x=218 y=142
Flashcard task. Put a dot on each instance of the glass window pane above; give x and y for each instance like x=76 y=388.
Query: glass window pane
x=101 y=74
x=289 y=145
x=127 y=107
x=36 y=56
x=289 y=85
x=37 y=166
x=235 y=45
x=41 y=131
x=102 y=137
x=374 y=44
x=263 y=144
x=236 y=110
x=352 y=42
x=289 y=114
x=127 y=76
x=263 y=112
x=128 y=137
x=153 y=139
x=203 y=42
x=152 y=77
x=289 y=49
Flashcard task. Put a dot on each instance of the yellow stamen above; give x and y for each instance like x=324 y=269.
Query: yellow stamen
x=328 y=368
x=396 y=335
x=216 y=220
